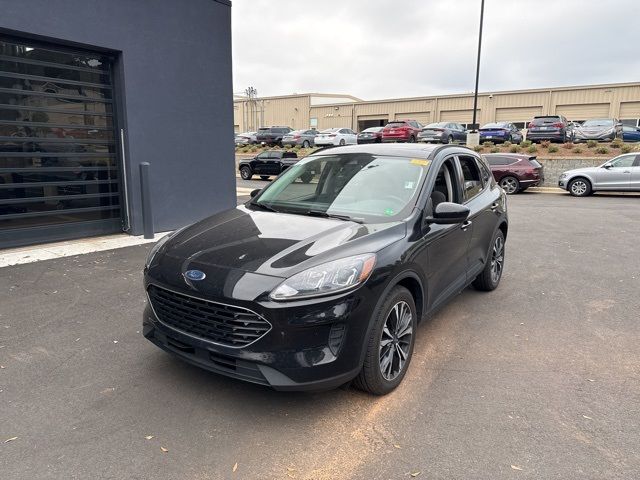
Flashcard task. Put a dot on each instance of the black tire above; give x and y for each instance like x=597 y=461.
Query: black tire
x=264 y=177
x=509 y=184
x=491 y=274
x=449 y=139
x=510 y=139
x=342 y=142
x=579 y=187
x=371 y=378
x=246 y=173
x=412 y=139
x=306 y=144
x=306 y=177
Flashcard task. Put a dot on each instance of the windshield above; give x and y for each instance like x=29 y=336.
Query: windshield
x=494 y=125
x=436 y=125
x=361 y=186
x=598 y=123
x=396 y=124
x=330 y=130
x=372 y=129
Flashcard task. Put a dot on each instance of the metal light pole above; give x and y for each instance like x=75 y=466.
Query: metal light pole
x=474 y=138
x=475 y=95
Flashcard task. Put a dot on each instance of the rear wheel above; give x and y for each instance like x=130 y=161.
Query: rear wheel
x=306 y=177
x=246 y=173
x=580 y=187
x=264 y=177
x=305 y=144
x=390 y=344
x=449 y=139
x=490 y=276
x=412 y=139
x=510 y=185
x=342 y=142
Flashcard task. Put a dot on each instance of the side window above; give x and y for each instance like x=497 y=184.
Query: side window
x=445 y=188
x=637 y=162
x=471 y=177
x=263 y=156
x=625 y=161
x=485 y=171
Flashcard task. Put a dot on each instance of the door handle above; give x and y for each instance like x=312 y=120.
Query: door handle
x=627 y=171
x=466 y=225
x=494 y=206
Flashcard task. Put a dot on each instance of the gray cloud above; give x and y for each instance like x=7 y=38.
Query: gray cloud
x=382 y=48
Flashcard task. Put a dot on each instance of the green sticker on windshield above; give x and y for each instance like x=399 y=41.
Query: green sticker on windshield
x=389 y=211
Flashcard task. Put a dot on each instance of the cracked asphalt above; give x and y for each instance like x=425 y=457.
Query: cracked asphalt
x=539 y=379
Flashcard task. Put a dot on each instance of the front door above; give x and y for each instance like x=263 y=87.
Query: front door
x=260 y=163
x=634 y=184
x=443 y=249
x=617 y=175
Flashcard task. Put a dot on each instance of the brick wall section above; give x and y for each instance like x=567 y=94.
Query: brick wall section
x=553 y=167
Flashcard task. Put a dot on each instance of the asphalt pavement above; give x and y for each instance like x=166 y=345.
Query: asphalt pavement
x=539 y=379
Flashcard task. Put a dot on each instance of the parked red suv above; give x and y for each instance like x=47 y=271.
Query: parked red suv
x=401 y=131
x=515 y=172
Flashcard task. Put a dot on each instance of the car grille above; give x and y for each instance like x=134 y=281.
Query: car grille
x=216 y=322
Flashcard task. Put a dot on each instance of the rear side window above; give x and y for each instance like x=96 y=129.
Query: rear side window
x=535 y=163
x=500 y=160
x=471 y=177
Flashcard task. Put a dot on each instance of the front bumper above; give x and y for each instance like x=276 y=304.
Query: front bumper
x=312 y=345
x=608 y=137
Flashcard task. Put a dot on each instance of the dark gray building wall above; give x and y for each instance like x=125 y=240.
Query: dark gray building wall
x=175 y=97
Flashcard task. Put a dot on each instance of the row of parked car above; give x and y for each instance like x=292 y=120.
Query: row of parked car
x=554 y=128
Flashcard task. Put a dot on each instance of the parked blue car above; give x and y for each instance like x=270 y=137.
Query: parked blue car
x=630 y=134
x=500 y=132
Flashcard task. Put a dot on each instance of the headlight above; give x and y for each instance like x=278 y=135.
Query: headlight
x=563 y=175
x=328 y=278
x=159 y=245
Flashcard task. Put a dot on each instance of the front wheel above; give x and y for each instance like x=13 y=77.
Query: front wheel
x=305 y=144
x=580 y=187
x=412 y=139
x=491 y=274
x=390 y=344
x=449 y=139
x=342 y=142
x=245 y=173
x=510 y=185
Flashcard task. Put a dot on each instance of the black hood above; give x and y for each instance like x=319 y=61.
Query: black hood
x=275 y=244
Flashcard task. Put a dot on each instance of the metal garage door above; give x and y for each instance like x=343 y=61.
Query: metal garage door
x=421 y=117
x=517 y=114
x=59 y=172
x=458 y=116
x=583 y=112
x=630 y=110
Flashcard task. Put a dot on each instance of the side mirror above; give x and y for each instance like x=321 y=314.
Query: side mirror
x=607 y=166
x=447 y=213
x=254 y=192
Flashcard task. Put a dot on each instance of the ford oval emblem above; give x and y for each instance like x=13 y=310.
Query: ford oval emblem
x=195 y=275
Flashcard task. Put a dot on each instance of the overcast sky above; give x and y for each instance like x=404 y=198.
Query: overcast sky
x=377 y=49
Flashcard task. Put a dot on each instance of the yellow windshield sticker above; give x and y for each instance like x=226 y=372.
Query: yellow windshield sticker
x=419 y=161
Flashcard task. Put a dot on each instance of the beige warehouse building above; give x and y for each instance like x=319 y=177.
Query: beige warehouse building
x=312 y=110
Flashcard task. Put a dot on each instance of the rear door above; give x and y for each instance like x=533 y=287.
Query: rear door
x=273 y=165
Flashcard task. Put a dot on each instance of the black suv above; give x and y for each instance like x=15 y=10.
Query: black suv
x=550 y=127
x=271 y=162
x=310 y=285
x=272 y=135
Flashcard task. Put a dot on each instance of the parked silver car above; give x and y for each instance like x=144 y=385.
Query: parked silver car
x=618 y=174
x=302 y=138
x=600 y=129
x=246 y=138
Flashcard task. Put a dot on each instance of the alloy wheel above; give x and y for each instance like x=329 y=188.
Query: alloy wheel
x=497 y=259
x=395 y=342
x=579 y=188
x=509 y=185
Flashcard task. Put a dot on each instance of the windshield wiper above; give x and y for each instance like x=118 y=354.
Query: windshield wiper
x=320 y=213
x=264 y=207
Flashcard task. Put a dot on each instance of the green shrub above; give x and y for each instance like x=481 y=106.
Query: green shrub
x=545 y=143
x=592 y=143
x=532 y=149
x=577 y=150
x=488 y=144
x=626 y=148
x=514 y=148
x=526 y=143
x=616 y=143
x=478 y=148
x=507 y=143
x=567 y=145
x=253 y=149
x=553 y=149
x=602 y=150
x=494 y=150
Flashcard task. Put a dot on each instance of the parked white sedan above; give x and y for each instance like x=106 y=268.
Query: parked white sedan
x=336 y=136
x=621 y=174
